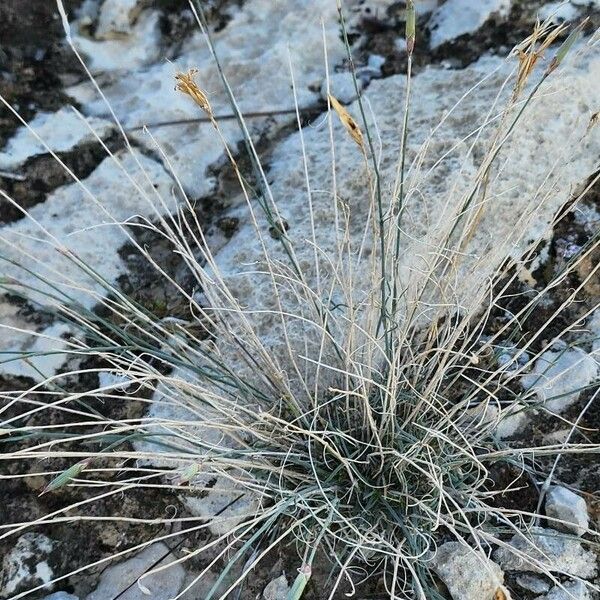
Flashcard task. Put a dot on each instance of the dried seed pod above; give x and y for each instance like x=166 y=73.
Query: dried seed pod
x=532 y=49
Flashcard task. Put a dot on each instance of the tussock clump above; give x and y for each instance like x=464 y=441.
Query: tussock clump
x=370 y=435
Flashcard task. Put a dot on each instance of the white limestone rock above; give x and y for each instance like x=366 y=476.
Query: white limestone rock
x=426 y=7
x=559 y=12
x=533 y=583
x=511 y=421
x=341 y=86
x=501 y=232
x=122 y=579
x=572 y=590
x=503 y=422
x=587 y=3
x=277 y=589
x=18 y=335
x=116 y=17
x=254 y=49
x=125 y=36
x=224 y=503
x=61 y=131
x=547 y=550
x=564 y=505
x=29 y=353
x=593 y=326
x=27 y=565
x=458 y=17
x=510 y=358
x=559 y=375
x=468 y=574
x=112 y=381
x=587 y=215
x=86 y=219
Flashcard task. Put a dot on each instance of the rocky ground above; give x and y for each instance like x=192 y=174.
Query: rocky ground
x=134 y=47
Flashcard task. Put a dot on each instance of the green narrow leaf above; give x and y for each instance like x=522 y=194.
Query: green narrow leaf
x=65 y=477
x=300 y=582
x=565 y=47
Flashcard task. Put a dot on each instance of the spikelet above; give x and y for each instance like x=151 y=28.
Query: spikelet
x=66 y=476
x=532 y=49
x=187 y=85
x=411 y=26
x=348 y=122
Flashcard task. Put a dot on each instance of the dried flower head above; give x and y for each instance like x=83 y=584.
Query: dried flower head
x=187 y=85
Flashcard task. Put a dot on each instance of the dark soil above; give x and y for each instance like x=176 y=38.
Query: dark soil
x=570 y=239
x=33 y=60
x=88 y=541
x=42 y=174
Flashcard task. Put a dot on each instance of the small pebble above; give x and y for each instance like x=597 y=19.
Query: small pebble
x=564 y=505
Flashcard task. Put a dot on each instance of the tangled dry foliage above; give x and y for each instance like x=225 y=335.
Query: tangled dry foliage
x=368 y=437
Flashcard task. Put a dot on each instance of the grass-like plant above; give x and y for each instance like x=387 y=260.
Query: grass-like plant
x=368 y=435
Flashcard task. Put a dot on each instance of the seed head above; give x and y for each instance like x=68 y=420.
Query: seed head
x=411 y=27
x=532 y=49
x=187 y=85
